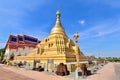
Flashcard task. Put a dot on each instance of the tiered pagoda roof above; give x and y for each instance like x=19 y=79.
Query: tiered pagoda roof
x=14 y=42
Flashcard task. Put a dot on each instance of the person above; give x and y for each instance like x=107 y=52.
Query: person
x=24 y=64
x=34 y=64
x=20 y=64
x=29 y=65
x=84 y=70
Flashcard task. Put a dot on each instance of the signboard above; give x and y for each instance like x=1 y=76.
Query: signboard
x=37 y=60
x=50 y=61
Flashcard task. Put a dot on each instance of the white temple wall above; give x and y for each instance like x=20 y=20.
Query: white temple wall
x=20 y=51
x=26 y=50
x=7 y=53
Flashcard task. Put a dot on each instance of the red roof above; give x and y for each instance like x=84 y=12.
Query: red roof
x=14 y=42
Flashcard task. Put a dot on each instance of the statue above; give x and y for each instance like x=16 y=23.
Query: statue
x=84 y=70
x=62 y=70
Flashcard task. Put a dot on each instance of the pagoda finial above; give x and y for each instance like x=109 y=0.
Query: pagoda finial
x=58 y=15
x=58 y=12
x=76 y=35
x=58 y=29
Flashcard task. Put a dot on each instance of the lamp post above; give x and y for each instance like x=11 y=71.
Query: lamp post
x=76 y=36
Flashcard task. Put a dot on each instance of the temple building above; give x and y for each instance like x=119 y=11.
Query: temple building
x=54 y=49
x=19 y=46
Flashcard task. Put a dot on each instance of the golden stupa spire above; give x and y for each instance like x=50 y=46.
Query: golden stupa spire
x=58 y=16
x=58 y=29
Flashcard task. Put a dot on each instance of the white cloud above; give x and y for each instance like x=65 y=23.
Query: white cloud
x=12 y=15
x=13 y=12
x=103 y=29
x=110 y=31
x=81 y=22
x=111 y=3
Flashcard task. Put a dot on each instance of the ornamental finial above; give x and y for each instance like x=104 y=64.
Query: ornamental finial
x=76 y=35
x=58 y=15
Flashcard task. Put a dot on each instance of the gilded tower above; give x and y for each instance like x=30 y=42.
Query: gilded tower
x=57 y=46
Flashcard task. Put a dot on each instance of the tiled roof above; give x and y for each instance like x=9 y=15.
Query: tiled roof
x=14 y=42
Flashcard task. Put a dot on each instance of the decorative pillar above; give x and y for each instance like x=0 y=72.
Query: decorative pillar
x=76 y=36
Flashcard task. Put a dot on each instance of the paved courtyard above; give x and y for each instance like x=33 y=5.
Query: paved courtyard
x=9 y=75
x=117 y=70
x=13 y=73
x=110 y=71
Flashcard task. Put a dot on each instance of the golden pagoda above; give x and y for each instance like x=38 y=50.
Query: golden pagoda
x=54 y=49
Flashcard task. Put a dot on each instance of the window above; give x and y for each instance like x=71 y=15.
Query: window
x=30 y=39
x=49 y=45
x=45 y=40
x=20 y=38
x=14 y=39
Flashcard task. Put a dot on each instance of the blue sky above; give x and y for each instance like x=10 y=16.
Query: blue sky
x=97 y=21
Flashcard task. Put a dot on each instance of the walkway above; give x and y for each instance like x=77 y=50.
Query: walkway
x=13 y=73
x=117 y=70
x=9 y=75
x=110 y=71
x=106 y=73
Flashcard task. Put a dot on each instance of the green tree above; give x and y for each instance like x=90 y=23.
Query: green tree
x=113 y=59
x=92 y=57
x=2 y=52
